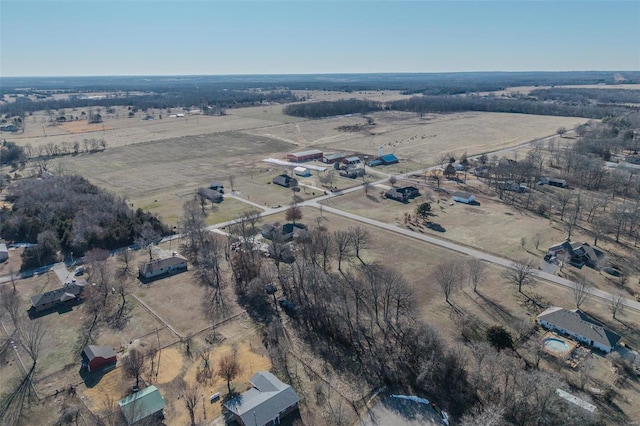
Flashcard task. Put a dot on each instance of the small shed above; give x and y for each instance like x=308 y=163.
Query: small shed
x=352 y=160
x=302 y=171
x=97 y=357
x=141 y=405
x=463 y=197
x=4 y=252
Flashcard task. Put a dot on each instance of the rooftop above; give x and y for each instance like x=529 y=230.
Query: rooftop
x=579 y=323
x=141 y=404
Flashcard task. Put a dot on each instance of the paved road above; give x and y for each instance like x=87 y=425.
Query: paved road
x=470 y=252
x=407 y=233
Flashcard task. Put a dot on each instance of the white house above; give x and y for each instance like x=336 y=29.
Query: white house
x=302 y=171
x=463 y=197
x=577 y=325
x=165 y=264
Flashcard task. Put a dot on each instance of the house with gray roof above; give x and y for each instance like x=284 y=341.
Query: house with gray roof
x=165 y=263
x=579 y=254
x=70 y=293
x=142 y=405
x=578 y=326
x=266 y=403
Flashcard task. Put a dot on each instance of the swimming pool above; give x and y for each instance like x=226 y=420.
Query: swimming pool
x=556 y=345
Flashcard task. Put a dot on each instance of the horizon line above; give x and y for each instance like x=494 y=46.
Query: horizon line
x=321 y=73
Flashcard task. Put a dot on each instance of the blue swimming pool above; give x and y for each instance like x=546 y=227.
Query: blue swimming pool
x=556 y=345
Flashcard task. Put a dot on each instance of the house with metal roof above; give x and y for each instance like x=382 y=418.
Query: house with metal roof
x=333 y=158
x=388 y=159
x=298 y=157
x=266 y=403
x=141 y=405
x=578 y=326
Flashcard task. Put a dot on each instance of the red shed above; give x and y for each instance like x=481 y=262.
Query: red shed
x=97 y=357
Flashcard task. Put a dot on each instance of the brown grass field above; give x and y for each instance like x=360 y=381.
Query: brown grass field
x=157 y=165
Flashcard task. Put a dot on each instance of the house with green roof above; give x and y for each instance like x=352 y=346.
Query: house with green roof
x=142 y=405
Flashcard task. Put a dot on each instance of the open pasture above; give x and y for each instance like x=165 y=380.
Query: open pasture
x=174 y=166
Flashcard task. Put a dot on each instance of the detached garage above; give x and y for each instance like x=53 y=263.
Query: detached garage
x=302 y=171
x=463 y=197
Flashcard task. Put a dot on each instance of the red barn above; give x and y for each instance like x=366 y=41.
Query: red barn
x=298 y=157
x=98 y=357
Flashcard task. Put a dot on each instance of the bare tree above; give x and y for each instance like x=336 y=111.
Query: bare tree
x=449 y=276
x=10 y=305
x=343 y=246
x=359 y=239
x=520 y=273
x=133 y=365
x=617 y=304
x=581 y=290
x=148 y=236
x=125 y=257
x=293 y=213
x=475 y=272
x=229 y=367
x=191 y=397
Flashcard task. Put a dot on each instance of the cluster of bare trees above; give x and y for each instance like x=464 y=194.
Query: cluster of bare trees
x=68 y=213
x=24 y=335
x=510 y=392
x=205 y=251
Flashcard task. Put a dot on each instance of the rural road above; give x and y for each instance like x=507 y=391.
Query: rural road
x=496 y=260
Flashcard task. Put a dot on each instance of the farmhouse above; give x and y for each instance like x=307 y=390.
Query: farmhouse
x=211 y=195
x=167 y=263
x=288 y=231
x=579 y=254
x=282 y=180
x=68 y=294
x=266 y=403
x=299 y=157
x=560 y=183
x=98 y=357
x=216 y=185
x=577 y=325
x=141 y=405
x=4 y=252
x=333 y=158
x=302 y=171
x=352 y=172
x=463 y=197
x=402 y=194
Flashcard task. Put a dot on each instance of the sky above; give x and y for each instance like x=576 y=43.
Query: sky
x=211 y=37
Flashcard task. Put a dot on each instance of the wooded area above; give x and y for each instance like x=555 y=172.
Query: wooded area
x=69 y=213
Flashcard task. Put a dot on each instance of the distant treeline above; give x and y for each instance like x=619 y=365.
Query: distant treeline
x=186 y=98
x=585 y=96
x=332 y=108
x=68 y=213
x=442 y=104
